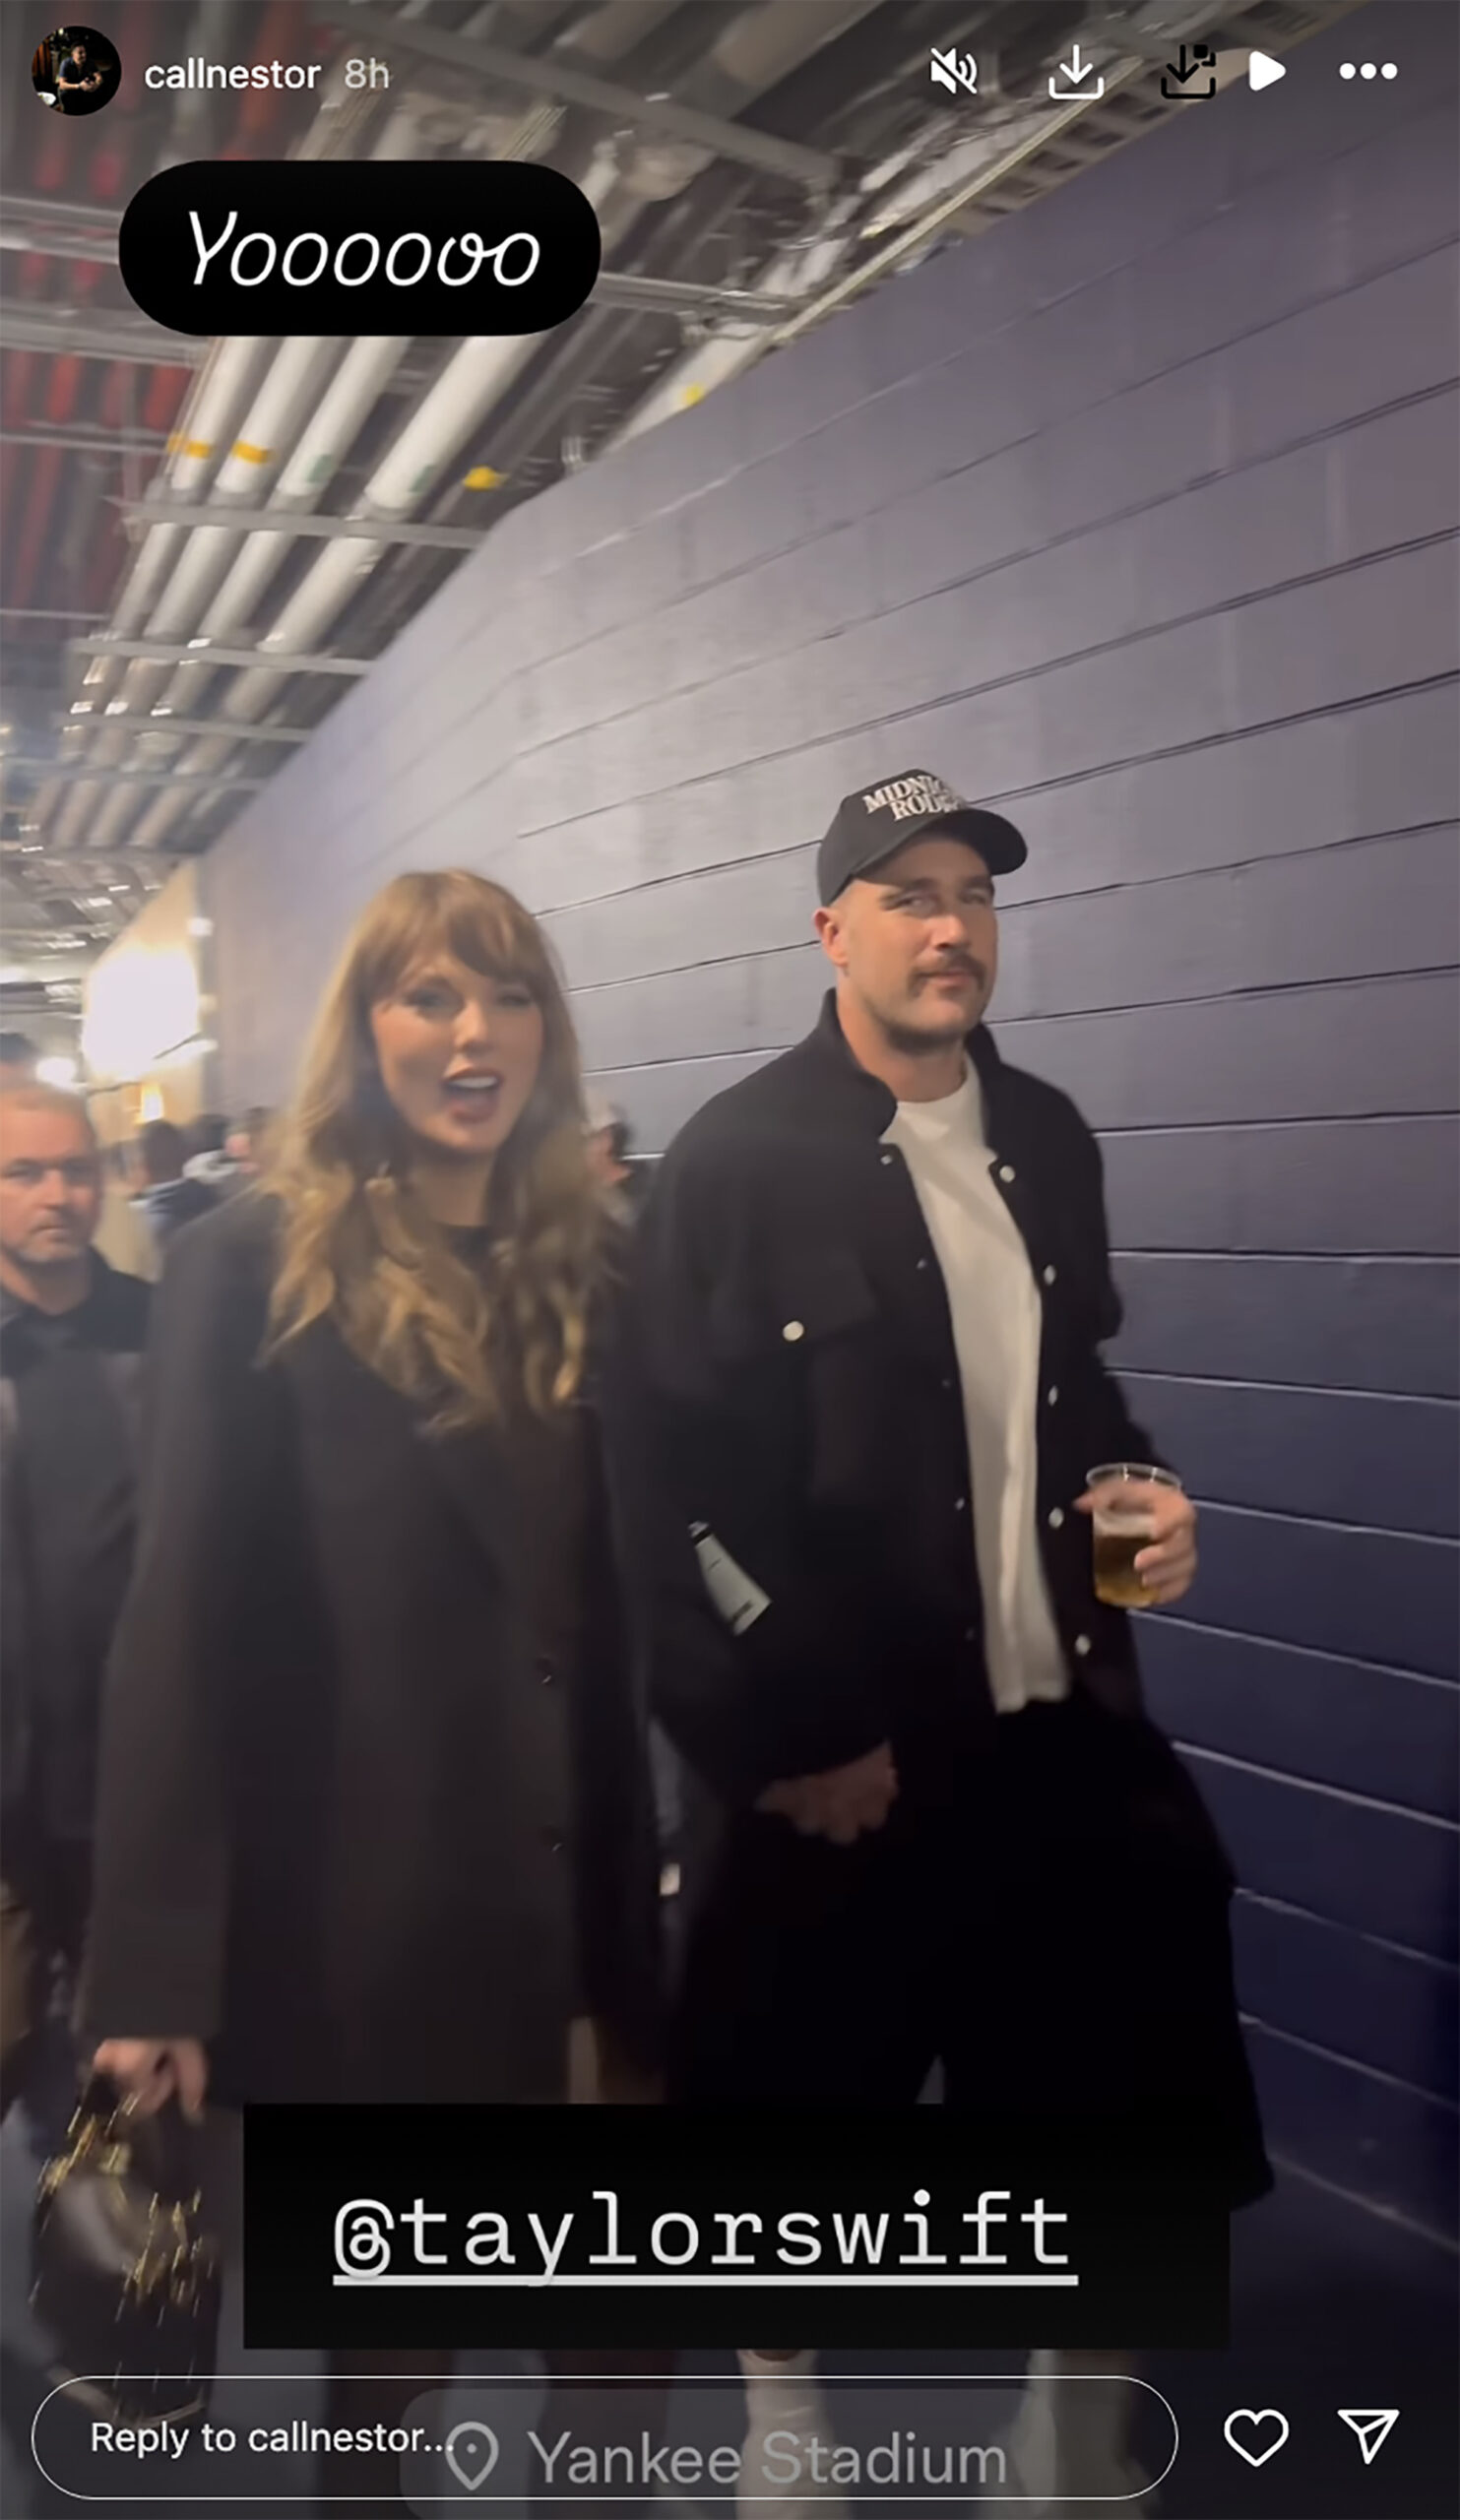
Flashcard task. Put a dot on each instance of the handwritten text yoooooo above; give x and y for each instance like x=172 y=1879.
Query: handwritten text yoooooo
x=262 y=250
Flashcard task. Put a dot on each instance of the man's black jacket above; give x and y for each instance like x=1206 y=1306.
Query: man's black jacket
x=70 y=1386
x=792 y=1393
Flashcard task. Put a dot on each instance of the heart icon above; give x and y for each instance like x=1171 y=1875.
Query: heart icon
x=469 y=2434
x=1244 y=2420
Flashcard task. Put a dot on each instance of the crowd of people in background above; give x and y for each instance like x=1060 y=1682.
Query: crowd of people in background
x=454 y=1464
x=73 y=1329
x=184 y=1173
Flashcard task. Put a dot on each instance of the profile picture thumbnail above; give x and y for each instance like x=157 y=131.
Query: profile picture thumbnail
x=75 y=71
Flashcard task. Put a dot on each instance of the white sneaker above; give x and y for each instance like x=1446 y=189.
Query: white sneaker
x=783 y=2399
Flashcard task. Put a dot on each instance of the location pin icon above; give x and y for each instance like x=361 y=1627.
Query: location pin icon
x=472 y=2453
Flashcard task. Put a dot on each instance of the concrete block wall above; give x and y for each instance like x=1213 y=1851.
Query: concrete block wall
x=1137 y=517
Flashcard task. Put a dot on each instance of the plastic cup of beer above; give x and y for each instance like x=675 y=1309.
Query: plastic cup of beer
x=1124 y=1524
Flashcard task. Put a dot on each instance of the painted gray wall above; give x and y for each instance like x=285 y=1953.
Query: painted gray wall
x=1136 y=515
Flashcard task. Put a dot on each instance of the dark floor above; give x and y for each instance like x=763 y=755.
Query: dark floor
x=1332 y=2307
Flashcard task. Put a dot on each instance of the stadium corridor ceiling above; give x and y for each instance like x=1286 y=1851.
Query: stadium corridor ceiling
x=133 y=597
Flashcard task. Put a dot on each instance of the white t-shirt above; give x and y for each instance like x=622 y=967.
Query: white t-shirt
x=995 y=1310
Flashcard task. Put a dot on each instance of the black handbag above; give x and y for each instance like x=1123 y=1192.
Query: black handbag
x=125 y=2276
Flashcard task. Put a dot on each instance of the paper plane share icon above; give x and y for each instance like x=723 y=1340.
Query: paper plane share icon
x=1370 y=2427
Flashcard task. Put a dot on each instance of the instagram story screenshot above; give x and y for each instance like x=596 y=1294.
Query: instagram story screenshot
x=729 y=1510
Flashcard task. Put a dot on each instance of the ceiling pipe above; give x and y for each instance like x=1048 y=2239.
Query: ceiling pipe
x=320 y=529
x=70 y=332
x=319 y=450
x=363 y=374
x=244 y=478
x=468 y=386
x=204 y=430
x=760 y=47
x=272 y=411
x=202 y=555
x=1005 y=158
x=641 y=292
x=272 y=420
x=954 y=184
x=170 y=652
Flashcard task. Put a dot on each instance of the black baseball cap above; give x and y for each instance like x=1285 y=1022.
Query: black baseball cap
x=874 y=822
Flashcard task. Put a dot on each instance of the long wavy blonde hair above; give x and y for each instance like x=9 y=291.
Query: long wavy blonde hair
x=358 y=1246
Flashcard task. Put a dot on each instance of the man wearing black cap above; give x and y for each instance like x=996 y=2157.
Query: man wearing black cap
x=872 y=1284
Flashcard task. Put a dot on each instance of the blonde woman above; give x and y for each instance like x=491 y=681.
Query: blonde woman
x=374 y=1816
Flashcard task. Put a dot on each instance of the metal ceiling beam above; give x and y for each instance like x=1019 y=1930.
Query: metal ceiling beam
x=33 y=211
x=546 y=75
x=638 y=292
x=74 y=331
x=59 y=244
x=942 y=214
x=148 y=722
x=29 y=230
x=285 y=521
x=108 y=777
x=89 y=441
x=164 y=652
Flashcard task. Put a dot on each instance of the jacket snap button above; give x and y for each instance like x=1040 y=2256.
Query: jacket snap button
x=1056 y=1518
x=959 y=1503
x=1050 y=1274
x=1054 y=1393
x=1082 y=1644
x=922 y=1264
x=1006 y=1172
x=794 y=1330
x=888 y=1159
x=554 y=1846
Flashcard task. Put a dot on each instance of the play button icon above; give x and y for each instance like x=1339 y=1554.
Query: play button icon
x=1262 y=69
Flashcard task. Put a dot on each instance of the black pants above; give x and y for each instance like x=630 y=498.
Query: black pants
x=1053 y=1931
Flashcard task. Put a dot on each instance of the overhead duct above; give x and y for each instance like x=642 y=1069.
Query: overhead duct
x=200 y=556
x=759 y=48
x=204 y=430
x=465 y=390
x=203 y=433
x=272 y=416
x=307 y=475
x=913 y=213
x=336 y=128
x=289 y=387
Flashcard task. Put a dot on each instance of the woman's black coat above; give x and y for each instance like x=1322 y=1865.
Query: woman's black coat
x=374 y=1813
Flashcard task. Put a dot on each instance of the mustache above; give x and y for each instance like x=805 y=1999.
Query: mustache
x=957 y=967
